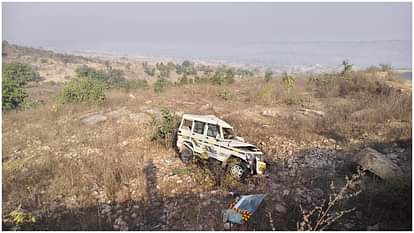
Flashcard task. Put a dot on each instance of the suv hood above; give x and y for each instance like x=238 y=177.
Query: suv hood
x=234 y=143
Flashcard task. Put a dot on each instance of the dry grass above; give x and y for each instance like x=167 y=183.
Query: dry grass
x=51 y=160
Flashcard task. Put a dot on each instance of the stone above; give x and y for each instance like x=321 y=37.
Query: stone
x=93 y=119
x=373 y=227
x=280 y=208
x=392 y=156
x=133 y=215
x=276 y=186
x=378 y=164
x=310 y=112
x=118 y=113
x=270 y=113
x=204 y=107
x=106 y=209
x=349 y=226
x=286 y=192
x=358 y=214
x=227 y=226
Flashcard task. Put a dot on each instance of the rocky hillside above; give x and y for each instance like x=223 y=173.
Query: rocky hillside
x=96 y=167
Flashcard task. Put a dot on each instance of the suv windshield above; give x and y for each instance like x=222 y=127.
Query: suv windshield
x=228 y=133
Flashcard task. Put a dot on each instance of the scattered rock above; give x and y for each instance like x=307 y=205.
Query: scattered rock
x=373 y=228
x=311 y=112
x=280 y=208
x=349 y=226
x=270 y=113
x=118 y=113
x=120 y=224
x=378 y=164
x=106 y=209
x=93 y=119
x=205 y=107
x=358 y=214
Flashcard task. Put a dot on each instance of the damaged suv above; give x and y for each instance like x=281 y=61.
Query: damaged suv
x=209 y=138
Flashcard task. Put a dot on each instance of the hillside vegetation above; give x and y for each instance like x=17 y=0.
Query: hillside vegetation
x=94 y=152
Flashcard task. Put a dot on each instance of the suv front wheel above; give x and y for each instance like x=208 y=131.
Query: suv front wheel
x=237 y=170
x=186 y=155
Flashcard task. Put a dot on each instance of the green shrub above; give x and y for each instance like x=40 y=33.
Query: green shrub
x=161 y=84
x=226 y=95
x=265 y=95
x=21 y=73
x=134 y=84
x=347 y=67
x=268 y=75
x=82 y=90
x=112 y=77
x=164 y=130
x=13 y=94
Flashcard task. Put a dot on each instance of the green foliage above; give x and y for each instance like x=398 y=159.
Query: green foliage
x=181 y=171
x=288 y=81
x=135 y=84
x=112 y=77
x=265 y=95
x=19 y=216
x=13 y=94
x=21 y=73
x=222 y=76
x=164 y=69
x=226 y=95
x=188 y=68
x=161 y=84
x=149 y=70
x=183 y=80
x=164 y=130
x=347 y=67
x=385 y=67
x=244 y=72
x=268 y=75
x=83 y=90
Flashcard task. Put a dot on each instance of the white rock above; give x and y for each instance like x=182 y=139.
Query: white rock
x=280 y=208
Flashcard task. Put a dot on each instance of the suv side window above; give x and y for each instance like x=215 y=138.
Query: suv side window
x=187 y=125
x=199 y=127
x=213 y=130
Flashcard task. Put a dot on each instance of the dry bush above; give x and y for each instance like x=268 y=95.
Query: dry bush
x=372 y=103
x=387 y=203
x=322 y=216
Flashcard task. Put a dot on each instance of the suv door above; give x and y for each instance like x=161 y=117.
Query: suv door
x=198 y=138
x=213 y=148
x=184 y=132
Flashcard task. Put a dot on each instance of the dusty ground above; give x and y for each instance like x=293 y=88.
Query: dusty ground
x=110 y=175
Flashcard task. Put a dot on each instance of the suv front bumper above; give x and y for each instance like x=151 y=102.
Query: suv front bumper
x=260 y=167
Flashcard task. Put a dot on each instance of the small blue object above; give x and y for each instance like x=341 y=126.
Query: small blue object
x=247 y=203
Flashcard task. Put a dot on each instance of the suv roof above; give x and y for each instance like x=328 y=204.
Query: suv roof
x=208 y=119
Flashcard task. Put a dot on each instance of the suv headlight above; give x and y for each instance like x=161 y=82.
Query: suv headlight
x=249 y=157
x=259 y=157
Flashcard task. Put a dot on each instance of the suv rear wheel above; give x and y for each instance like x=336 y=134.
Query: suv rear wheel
x=186 y=155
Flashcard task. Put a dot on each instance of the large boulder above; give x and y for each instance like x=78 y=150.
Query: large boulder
x=378 y=164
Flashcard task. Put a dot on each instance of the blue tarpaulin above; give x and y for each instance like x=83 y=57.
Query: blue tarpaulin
x=243 y=208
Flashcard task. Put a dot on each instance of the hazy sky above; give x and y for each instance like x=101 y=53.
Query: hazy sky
x=74 y=25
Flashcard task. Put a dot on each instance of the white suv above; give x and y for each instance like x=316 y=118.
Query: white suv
x=208 y=137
